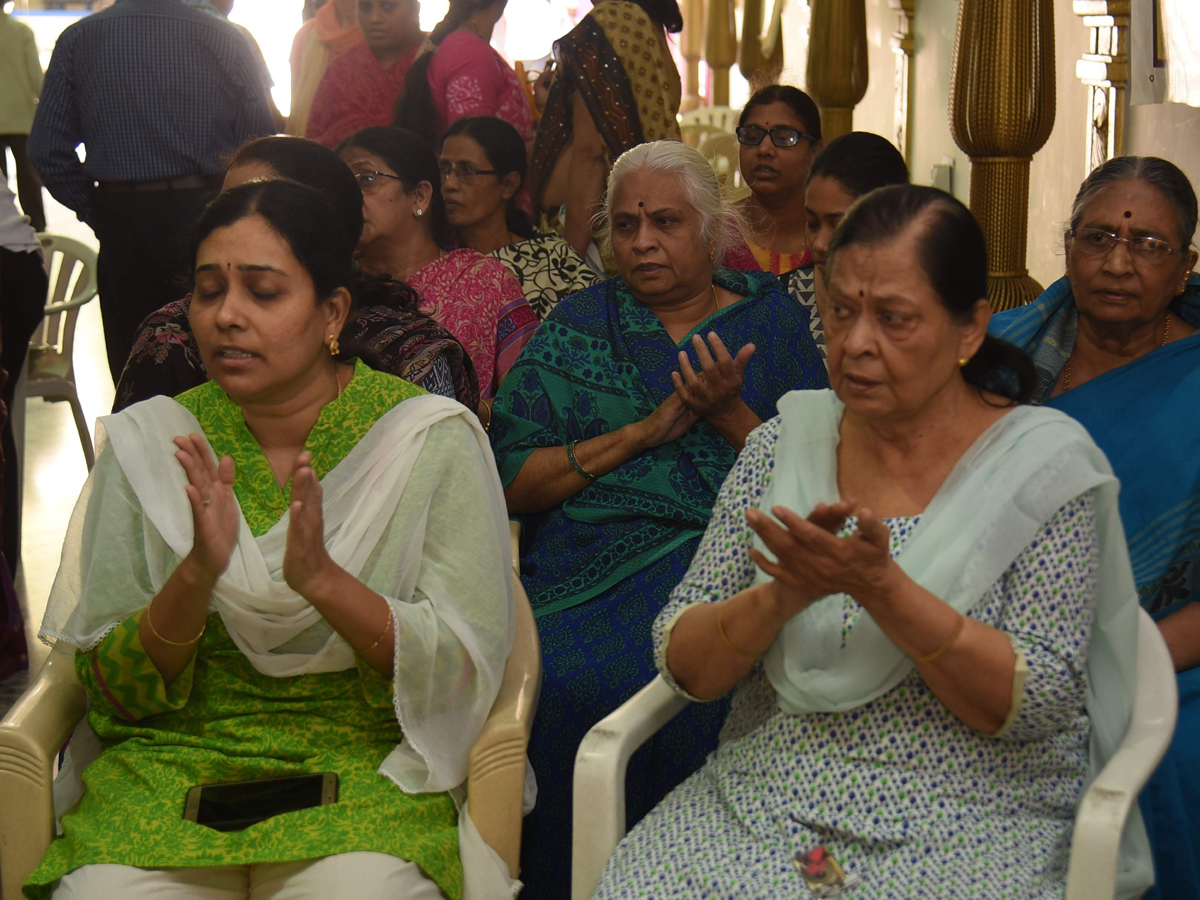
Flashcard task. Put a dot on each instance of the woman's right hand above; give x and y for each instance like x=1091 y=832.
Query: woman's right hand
x=215 y=514
x=667 y=423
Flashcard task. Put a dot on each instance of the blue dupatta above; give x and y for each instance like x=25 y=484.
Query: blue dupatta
x=602 y=360
x=1145 y=416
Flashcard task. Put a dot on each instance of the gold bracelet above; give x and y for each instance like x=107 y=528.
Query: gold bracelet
x=575 y=463
x=724 y=640
x=154 y=631
x=386 y=629
x=958 y=629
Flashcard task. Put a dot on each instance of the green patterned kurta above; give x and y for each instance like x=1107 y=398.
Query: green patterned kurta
x=221 y=720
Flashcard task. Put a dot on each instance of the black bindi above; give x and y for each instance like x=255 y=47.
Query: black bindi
x=641 y=204
x=1128 y=214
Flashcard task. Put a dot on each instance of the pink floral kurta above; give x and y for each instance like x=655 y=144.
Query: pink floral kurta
x=478 y=300
x=468 y=78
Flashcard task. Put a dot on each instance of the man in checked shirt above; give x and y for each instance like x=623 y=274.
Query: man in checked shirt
x=157 y=94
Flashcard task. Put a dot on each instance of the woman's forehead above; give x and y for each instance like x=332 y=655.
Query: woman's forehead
x=882 y=271
x=1134 y=202
x=649 y=191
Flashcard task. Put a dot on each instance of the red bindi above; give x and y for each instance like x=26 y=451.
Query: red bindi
x=1128 y=214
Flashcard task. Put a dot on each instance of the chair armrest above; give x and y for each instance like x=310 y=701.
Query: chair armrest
x=496 y=772
x=1108 y=800
x=600 y=764
x=30 y=737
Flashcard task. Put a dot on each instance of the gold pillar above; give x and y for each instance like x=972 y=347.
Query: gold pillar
x=1001 y=113
x=760 y=57
x=836 y=75
x=720 y=47
x=691 y=47
x=1105 y=71
x=903 y=45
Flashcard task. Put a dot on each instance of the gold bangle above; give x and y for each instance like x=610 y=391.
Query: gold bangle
x=724 y=640
x=958 y=629
x=575 y=462
x=386 y=629
x=154 y=631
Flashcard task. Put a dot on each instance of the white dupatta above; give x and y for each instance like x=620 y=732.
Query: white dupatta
x=427 y=530
x=999 y=495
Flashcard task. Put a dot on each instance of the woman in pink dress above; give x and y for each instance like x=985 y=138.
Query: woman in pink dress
x=461 y=75
x=405 y=236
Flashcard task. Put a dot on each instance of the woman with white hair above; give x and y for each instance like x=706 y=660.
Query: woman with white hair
x=613 y=433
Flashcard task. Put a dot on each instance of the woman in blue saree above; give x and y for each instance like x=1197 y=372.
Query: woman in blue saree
x=1116 y=346
x=613 y=434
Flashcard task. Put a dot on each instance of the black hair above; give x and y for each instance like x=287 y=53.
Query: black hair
x=802 y=105
x=860 y=162
x=1158 y=173
x=952 y=253
x=414 y=107
x=316 y=166
x=505 y=152
x=412 y=159
x=665 y=13
x=305 y=219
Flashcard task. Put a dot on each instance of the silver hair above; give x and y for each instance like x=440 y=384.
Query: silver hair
x=721 y=225
x=1158 y=173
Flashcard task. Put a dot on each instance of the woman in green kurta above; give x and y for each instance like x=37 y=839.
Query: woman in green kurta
x=302 y=606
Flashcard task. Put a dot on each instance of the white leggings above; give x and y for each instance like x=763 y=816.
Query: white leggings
x=352 y=876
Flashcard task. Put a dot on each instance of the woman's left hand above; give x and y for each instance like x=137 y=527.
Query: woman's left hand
x=810 y=554
x=715 y=392
x=306 y=561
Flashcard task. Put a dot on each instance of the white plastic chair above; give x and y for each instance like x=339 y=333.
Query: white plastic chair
x=710 y=129
x=49 y=367
x=42 y=720
x=599 y=797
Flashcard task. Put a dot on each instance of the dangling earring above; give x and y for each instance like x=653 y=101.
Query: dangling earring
x=334 y=349
x=712 y=254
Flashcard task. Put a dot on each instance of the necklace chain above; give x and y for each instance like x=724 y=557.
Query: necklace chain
x=1066 y=374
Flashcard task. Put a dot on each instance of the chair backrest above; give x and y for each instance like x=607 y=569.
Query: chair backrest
x=710 y=129
x=71 y=270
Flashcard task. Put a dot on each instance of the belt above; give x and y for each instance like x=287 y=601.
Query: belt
x=186 y=183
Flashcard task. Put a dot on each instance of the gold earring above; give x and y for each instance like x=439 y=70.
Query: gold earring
x=962 y=363
x=712 y=254
x=334 y=349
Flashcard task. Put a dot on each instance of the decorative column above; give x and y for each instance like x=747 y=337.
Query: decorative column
x=903 y=45
x=760 y=57
x=836 y=75
x=1001 y=113
x=1105 y=71
x=691 y=47
x=720 y=47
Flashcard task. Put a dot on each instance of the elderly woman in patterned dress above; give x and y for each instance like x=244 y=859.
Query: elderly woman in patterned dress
x=920 y=589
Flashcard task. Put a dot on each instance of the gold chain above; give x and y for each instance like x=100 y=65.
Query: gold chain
x=1066 y=374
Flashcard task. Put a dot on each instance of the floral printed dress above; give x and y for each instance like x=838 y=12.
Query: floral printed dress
x=468 y=78
x=221 y=720
x=899 y=790
x=548 y=268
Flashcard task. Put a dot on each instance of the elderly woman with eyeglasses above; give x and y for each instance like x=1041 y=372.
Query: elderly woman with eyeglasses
x=779 y=135
x=1116 y=346
x=406 y=236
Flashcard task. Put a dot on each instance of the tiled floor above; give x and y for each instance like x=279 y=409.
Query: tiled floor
x=54 y=464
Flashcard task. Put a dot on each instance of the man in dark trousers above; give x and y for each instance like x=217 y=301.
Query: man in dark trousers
x=158 y=94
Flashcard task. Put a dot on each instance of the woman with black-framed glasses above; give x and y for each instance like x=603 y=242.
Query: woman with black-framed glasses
x=406 y=236
x=1116 y=345
x=779 y=135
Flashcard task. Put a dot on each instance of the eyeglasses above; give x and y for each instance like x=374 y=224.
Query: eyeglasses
x=369 y=181
x=781 y=136
x=1099 y=243
x=465 y=172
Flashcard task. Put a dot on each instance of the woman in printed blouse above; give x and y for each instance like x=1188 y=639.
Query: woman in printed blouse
x=406 y=237
x=612 y=434
x=300 y=566
x=385 y=330
x=483 y=176
x=460 y=75
x=850 y=166
x=615 y=86
x=779 y=134
x=360 y=87
x=918 y=588
x=1116 y=344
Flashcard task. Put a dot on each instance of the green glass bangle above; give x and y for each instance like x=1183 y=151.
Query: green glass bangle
x=575 y=463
